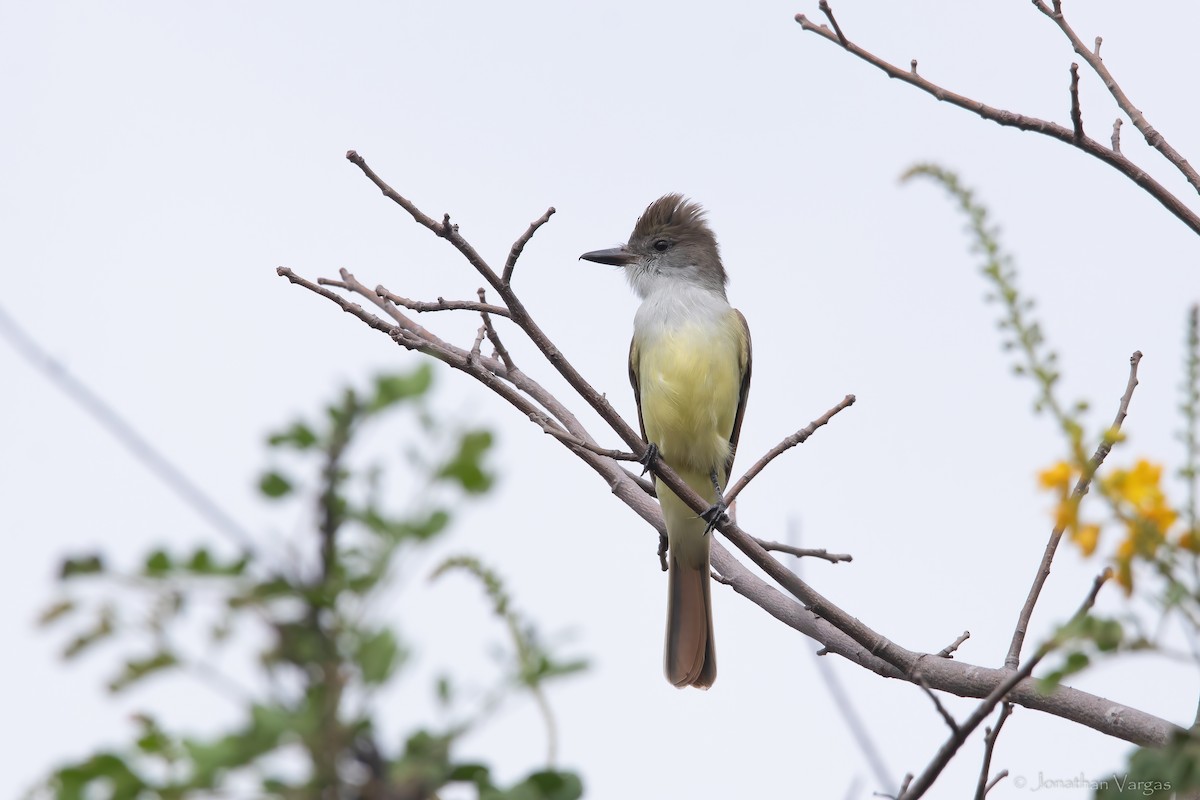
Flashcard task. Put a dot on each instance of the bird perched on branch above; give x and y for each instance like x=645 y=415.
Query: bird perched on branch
x=689 y=364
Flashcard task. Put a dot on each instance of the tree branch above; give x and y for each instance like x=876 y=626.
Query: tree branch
x=959 y=734
x=948 y=650
x=989 y=744
x=836 y=630
x=1153 y=137
x=1081 y=486
x=441 y=304
x=1110 y=156
x=799 y=437
x=804 y=552
x=519 y=245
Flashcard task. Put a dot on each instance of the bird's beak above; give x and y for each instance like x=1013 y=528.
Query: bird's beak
x=614 y=256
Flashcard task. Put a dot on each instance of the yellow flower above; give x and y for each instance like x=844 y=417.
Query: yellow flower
x=1056 y=477
x=1138 y=486
x=1087 y=537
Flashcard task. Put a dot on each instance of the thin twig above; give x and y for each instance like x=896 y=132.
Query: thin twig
x=799 y=437
x=804 y=552
x=828 y=12
x=1076 y=111
x=1081 y=486
x=558 y=433
x=1001 y=775
x=519 y=244
x=480 y=335
x=921 y=784
x=989 y=744
x=948 y=650
x=1022 y=122
x=937 y=703
x=494 y=337
x=441 y=304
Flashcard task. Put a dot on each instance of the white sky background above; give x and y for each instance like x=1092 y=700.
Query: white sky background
x=160 y=160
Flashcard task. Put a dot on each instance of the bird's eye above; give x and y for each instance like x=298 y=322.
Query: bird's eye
x=661 y=245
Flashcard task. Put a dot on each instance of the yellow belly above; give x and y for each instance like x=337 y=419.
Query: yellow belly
x=690 y=380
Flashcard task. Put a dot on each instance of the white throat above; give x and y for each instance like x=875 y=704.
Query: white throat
x=671 y=303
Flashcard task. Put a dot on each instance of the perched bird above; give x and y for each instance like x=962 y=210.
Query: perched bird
x=689 y=364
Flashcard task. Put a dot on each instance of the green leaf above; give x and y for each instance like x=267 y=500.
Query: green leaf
x=138 y=669
x=158 y=563
x=274 y=485
x=1169 y=771
x=202 y=562
x=154 y=740
x=465 y=467
x=543 y=785
x=97 y=633
x=121 y=782
x=444 y=689
x=211 y=759
x=1076 y=661
x=391 y=389
x=56 y=611
x=81 y=565
x=299 y=436
x=377 y=656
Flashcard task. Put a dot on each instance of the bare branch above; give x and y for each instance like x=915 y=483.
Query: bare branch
x=815 y=616
x=799 y=437
x=519 y=245
x=1081 y=486
x=948 y=650
x=1023 y=122
x=1153 y=137
x=804 y=552
x=922 y=783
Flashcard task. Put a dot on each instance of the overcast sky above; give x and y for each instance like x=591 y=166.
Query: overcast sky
x=160 y=160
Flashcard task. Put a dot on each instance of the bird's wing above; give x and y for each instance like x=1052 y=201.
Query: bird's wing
x=633 y=381
x=742 y=395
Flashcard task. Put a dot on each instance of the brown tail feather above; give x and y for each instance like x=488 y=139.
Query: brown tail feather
x=689 y=658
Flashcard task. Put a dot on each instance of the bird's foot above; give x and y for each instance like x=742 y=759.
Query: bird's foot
x=648 y=458
x=715 y=515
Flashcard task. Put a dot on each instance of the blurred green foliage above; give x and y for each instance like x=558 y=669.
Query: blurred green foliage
x=310 y=731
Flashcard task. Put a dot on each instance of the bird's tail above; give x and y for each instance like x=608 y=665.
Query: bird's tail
x=689 y=658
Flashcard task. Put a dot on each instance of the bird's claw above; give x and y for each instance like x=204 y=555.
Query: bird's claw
x=648 y=457
x=714 y=516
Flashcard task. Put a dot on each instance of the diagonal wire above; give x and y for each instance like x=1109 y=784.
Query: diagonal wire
x=157 y=463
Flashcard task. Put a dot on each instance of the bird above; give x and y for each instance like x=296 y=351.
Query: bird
x=689 y=364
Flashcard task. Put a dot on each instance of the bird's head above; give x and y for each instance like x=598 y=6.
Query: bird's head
x=670 y=244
